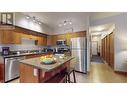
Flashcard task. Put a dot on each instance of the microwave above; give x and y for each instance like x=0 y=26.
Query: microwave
x=61 y=42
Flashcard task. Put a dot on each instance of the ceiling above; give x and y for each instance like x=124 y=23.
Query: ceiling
x=53 y=19
x=79 y=19
x=98 y=30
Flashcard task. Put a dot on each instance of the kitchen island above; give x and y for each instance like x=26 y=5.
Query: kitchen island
x=33 y=71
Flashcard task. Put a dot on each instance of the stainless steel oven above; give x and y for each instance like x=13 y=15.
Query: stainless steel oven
x=12 y=68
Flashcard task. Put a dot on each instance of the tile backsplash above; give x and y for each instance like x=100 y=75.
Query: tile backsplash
x=21 y=47
x=28 y=47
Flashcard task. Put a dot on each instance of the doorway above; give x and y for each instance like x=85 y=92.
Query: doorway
x=102 y=44
x=94 y=47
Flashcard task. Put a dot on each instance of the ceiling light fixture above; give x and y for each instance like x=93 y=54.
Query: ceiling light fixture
x=66 y=22
x=39 y=22
x=27 y=17
x=34 y=19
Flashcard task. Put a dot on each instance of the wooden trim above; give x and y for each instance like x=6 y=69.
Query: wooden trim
x=121 y=72
x=32 y=31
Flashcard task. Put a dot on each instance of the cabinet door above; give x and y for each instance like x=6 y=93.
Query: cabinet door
x=16 y=38
x=8 y=37
x=44 y=41
x=51 y=40
x=25 y=35
x=1 y=36
x=40 y=41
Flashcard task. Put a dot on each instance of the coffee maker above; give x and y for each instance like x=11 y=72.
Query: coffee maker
x=5 y=50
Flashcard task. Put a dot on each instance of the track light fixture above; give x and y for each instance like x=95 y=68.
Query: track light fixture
x=34 y=19
x=66 y=22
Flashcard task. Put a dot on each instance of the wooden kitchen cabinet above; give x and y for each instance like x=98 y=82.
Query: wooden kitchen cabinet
x=44 y=41
x=1 y=36
x=23 y=35
x=1 y=72
x=67 y=37
x=8 y=37
x=40 y=41
x=16 y=38
x=11 y=37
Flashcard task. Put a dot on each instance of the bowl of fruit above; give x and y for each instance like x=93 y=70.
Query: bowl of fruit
x=48 y=59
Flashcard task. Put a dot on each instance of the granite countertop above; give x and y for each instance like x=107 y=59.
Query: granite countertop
x=36 y=62
x=23 y=54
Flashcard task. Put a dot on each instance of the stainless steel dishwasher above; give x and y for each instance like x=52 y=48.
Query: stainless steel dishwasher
x=12 y=68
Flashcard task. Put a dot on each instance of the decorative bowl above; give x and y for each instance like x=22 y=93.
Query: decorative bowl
x=47 y=60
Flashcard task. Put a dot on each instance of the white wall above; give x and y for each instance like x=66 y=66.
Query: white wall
x=21 y=21
x=120 y=39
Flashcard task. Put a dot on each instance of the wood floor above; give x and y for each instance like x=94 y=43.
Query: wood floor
x=100 y=73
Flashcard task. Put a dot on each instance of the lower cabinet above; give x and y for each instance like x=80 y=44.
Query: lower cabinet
x=1 y=72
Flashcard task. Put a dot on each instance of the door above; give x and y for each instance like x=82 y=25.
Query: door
x=94 y=47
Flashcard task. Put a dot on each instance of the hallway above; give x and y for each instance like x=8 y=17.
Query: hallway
x=96 y=59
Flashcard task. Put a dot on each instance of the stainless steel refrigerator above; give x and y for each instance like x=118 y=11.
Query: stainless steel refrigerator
x=79 y=51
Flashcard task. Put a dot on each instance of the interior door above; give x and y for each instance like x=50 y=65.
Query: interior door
x=94 y=47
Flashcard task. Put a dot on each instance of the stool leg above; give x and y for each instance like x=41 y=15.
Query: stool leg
x=65 y=78
x=74 y=76
x=68 y=78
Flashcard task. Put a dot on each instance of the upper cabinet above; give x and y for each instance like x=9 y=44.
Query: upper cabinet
x=1 y=36
x=9 y=37
x=67 y=37
x=42 y=41
x=15 y=36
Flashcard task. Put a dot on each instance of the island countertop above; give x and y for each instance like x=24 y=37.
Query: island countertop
x=36 y=63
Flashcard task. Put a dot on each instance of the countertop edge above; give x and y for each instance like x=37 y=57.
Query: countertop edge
x=46 y=70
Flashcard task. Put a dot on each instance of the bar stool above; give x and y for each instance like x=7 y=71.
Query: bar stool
x=70 y=71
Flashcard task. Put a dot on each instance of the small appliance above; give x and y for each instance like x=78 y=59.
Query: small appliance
x=60 y=42
x=5 y=50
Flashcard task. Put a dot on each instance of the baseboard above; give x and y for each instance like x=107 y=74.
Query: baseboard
x=121 y=72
